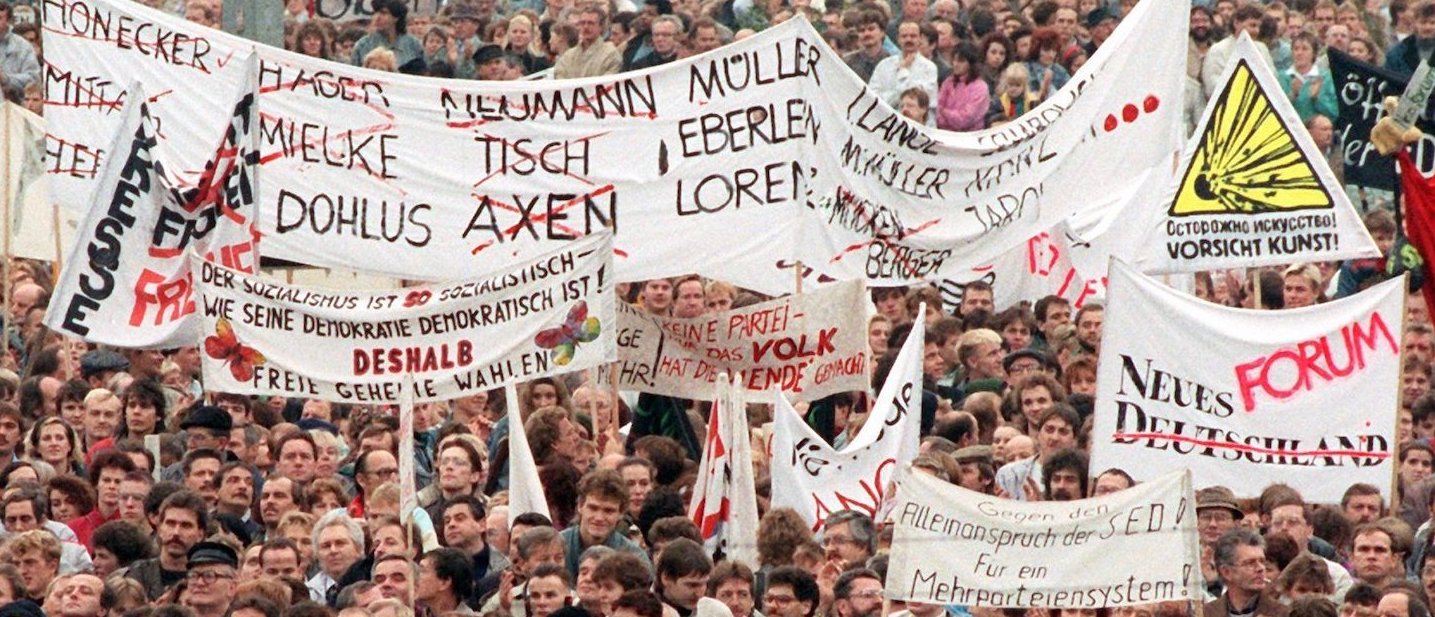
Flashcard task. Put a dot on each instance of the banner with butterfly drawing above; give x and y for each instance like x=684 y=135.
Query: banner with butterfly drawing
x=1253 y=190
x=809 y=346
x=538 y=317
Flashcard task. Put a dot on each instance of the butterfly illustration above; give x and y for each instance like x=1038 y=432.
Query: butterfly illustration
x=564 y=340
x=224 y=345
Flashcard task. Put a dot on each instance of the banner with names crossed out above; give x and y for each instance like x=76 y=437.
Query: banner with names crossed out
x=1243 y=398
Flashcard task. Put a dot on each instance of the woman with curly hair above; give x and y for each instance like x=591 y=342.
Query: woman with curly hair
x=70 y=497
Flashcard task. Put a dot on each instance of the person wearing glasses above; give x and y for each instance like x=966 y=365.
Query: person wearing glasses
x=371 y=469
x=1240 y=557
x=791 y=592
x=210 y=580
x=858 y=593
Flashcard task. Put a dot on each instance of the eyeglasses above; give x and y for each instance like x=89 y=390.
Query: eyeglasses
x=778 y=599
x=836 y=541
x=869 y=593
x=207 y=577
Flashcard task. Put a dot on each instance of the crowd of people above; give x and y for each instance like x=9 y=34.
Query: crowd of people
x=131 y=490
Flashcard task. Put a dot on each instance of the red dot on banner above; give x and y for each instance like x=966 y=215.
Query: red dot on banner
x=1110 y=123
x=1151 y=103
x=1129 y=113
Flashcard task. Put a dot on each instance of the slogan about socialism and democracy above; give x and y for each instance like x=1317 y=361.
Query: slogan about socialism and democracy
x=543 y=316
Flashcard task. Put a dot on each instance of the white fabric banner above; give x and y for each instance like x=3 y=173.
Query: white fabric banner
x=808 y=345
x=525 y=490
x=535 y=318
x=1049 y=263
x=955 y=546
x=724 y=503
x=813 y=478
x=767 y=153
x=127 y=280
x=33 y=217
x=1245 y=398
x=1253 y=188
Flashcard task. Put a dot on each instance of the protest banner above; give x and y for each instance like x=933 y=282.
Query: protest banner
x=535 y=318
x=724 y=503
x=1253 y=190
x=1245 y=398
x=768 y=153
x=1050 y=263
x=815 y=479
x=33 y=218
x=1361 y=90
x=128 y=280
x=951 y=545
x=808 y=345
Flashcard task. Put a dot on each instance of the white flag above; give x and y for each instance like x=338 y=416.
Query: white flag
x=525 y=491
x=724 y=504
x=809 y=476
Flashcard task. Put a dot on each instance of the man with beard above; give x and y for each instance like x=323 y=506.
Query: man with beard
x=1200 y=41
x=183 y=519
x=1064 y=476
x=857 y=593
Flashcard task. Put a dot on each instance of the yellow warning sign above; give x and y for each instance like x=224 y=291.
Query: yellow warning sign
x=1247 y=161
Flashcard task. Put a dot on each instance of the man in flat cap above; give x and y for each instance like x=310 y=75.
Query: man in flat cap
x=488 y=62
x=98 y=366
x=213 y=567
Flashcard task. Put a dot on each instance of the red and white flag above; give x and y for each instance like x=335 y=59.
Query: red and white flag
x=724 y=504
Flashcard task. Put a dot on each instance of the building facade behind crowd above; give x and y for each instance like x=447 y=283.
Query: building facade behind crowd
x=275 y=507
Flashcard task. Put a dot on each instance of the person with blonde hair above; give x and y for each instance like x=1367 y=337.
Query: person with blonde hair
x=381 y=60
x=1302 y=286
x=37 y=554
x=103 y=411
